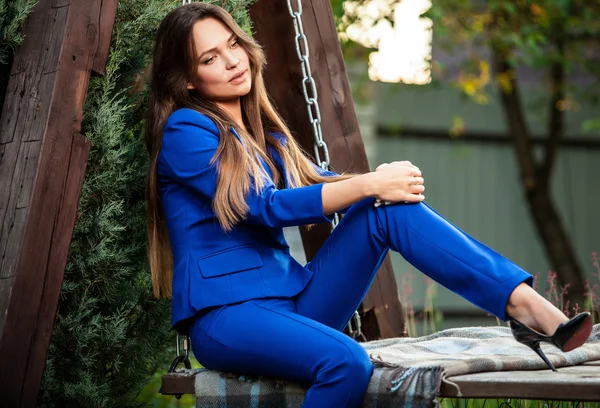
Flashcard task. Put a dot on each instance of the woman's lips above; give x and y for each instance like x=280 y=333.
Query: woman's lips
x=239 y=77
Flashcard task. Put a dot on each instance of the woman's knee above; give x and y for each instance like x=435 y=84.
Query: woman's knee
x=367 y=207
x=361 y=369
x=351 y=365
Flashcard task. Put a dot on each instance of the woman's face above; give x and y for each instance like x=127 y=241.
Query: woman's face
x=223 y=68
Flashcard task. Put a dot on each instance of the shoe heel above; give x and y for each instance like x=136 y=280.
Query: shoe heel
x=538 y=350
x=579 y=337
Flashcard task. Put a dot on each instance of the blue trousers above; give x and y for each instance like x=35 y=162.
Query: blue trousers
x=300 y=339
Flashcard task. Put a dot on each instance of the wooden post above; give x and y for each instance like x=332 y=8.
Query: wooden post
x=381 y=309
x=42 y=165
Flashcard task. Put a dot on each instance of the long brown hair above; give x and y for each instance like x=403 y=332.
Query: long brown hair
x=172 y=68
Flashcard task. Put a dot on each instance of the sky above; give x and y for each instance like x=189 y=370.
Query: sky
x=403 y=47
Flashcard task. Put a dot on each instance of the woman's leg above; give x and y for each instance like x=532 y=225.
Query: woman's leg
x=346 y=264
x=530 y=308
x=267 y=337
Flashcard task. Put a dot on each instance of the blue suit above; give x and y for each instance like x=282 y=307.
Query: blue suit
x=213 y=267
x=251 y=308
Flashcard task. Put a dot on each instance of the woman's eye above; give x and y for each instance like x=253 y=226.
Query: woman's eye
x=208 y=61
x=234 y=43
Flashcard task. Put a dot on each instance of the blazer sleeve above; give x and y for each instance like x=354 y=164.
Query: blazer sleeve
x=190 y=142
x=322 y=172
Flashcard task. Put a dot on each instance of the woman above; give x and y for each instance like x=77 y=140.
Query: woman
x=226 y=176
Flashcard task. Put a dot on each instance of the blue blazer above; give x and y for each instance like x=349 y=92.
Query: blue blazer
x=213 y=267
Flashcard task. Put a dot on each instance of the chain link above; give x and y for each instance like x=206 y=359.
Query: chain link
x=186 y=345
x=309 y=90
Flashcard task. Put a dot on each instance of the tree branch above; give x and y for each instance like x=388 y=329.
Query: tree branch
x=513 y=111
x=556 y=120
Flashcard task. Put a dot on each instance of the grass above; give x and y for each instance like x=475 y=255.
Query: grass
x=512 y=403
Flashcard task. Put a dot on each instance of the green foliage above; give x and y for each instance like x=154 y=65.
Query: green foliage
x=537 y=34
x=12 y=16
x=110 y=334
x=238 y=10
x=344 y=16
x=150 y=397
x=512 y=403
x=111 y=339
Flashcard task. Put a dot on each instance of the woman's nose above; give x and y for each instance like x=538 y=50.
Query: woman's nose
x=232 y=61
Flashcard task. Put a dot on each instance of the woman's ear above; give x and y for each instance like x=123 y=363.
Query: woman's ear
x=190 y=86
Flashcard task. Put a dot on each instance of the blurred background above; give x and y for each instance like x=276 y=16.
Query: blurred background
x=496 y=101
x=428 y=81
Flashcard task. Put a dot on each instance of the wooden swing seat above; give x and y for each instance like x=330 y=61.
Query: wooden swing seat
x=575 y=383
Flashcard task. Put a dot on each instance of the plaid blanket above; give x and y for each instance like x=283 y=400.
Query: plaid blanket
x=408 y=371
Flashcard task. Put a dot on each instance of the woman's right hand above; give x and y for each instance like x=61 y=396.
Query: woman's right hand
x=397 y=182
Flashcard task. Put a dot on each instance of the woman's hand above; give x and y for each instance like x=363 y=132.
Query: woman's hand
x=397 y=182
x=390 y=182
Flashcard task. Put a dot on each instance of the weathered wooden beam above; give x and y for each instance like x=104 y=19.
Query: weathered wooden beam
x=381 y=309
x=106 y=21
x=42 y=165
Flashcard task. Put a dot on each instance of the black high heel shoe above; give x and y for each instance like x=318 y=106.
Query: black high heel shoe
x=568 y=336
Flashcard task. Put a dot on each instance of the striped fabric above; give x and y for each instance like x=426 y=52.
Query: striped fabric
x=408 y=371
x=414 y=387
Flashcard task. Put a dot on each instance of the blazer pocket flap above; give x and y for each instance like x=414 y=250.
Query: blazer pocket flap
x=229 y=261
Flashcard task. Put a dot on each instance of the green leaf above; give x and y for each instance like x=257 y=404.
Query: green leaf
x=590 y=125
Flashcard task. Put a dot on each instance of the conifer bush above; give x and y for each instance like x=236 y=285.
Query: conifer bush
x=13 y=14
x=110 y=336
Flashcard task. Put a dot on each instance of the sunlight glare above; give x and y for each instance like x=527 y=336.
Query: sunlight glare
x=404 y=53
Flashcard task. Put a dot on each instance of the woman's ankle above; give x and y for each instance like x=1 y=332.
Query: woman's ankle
x=530 y=308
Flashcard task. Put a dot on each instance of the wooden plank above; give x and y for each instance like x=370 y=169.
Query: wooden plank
x=177 y=383
x=42 y=167
x=577 y=383
x=59 y=250
x=274 y=31
x=108 y=13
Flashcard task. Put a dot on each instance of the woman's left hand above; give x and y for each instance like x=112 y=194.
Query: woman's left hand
x=417 y=181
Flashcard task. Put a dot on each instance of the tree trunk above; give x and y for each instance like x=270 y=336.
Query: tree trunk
x=536 y=178
x=557 y=244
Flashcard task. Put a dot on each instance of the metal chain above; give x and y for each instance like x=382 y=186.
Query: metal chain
x=186 y=346
x=309 y=89
x=181 y=358
x=357 y=333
